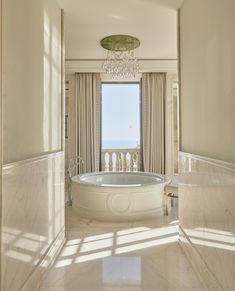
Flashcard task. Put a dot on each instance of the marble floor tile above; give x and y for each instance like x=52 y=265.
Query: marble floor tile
x=139 y=256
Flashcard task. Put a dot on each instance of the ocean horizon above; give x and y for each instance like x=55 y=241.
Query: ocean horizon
x=116 y=144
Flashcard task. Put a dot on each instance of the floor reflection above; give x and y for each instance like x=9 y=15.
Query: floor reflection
x=121 y=270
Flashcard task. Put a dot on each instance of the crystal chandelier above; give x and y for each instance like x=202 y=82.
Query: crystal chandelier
x=121 y=61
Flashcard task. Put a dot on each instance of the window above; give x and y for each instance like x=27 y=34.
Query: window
x=120 y=138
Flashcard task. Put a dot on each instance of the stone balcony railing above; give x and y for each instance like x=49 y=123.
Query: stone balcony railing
x=115 y=160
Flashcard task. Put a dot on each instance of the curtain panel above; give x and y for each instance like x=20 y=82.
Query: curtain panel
x=153 y=122
x=88 y=94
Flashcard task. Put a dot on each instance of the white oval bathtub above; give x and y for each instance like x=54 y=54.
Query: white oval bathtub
x=119 y=196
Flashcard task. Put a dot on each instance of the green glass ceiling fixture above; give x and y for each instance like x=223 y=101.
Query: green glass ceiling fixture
x=120 y=42
x=121 y=61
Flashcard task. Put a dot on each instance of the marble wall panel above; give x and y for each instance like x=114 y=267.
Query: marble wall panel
x=32 y=216
x=207 y=216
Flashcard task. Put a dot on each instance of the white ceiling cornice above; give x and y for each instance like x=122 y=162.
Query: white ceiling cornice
x=146 y=65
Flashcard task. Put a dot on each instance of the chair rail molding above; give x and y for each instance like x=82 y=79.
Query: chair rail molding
x=211 y=161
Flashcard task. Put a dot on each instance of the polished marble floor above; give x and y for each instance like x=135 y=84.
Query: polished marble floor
x=131 y=256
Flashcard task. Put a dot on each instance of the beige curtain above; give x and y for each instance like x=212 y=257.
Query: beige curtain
x=88 y=88
x=153 y=122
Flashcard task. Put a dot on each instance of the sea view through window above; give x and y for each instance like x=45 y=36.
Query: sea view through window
x=120 y=115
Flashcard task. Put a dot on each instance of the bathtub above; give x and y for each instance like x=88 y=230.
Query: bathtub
x=119 y=196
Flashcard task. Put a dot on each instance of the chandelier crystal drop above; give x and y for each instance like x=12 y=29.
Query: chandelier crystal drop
x=121 y=62
x=121 y=65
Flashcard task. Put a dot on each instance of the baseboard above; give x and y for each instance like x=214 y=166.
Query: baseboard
x=39 y=272
x=200 y=267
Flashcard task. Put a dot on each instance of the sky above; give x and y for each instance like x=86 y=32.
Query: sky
x=120 y=114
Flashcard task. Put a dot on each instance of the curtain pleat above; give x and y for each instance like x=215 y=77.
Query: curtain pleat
x=88 y=86
x=153 y=122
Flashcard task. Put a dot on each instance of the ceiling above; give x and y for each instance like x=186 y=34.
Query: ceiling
x=154 y=22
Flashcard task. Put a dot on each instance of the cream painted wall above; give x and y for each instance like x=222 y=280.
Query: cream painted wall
x=207 y=32
x=32 y=226
x=31 y=79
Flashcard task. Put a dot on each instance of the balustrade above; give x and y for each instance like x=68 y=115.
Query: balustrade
x=116 y=160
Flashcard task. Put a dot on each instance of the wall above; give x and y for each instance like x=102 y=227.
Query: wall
x=206 y=215
x=71 y=109
x=171 y=126
x=207 y=74
x=207 y=160
x=31 y=79
x=33 y=171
